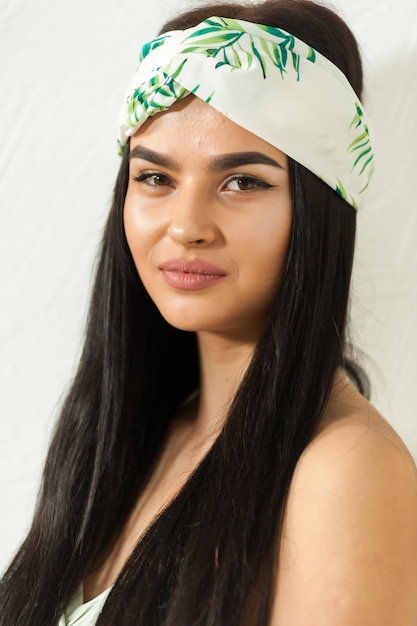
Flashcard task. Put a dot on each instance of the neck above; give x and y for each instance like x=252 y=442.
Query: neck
x=223 y=362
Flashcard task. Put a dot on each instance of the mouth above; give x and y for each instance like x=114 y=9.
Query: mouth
x=191 y=275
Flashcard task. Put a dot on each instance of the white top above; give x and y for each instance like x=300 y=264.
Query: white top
x=83 y=614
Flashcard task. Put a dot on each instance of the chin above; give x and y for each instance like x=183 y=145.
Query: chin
x=189 y=324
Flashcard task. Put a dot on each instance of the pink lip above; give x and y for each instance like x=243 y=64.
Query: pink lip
x=192 y=274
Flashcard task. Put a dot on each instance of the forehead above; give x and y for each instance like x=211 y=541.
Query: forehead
x=194 y=125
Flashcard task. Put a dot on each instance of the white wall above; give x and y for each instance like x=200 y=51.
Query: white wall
x=64 y=69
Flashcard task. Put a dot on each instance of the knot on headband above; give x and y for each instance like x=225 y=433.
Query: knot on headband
x=267 y=81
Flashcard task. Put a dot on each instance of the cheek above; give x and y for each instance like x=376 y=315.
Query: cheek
x=140 y=227
x=268 y=267
x=131 y=227
x=266 y=247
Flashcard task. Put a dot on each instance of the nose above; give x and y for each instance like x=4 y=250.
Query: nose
x=191 y=220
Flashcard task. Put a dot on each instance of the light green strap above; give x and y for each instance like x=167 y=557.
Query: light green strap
x=81 y=613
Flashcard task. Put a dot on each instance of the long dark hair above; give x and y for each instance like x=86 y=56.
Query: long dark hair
x=202 y=559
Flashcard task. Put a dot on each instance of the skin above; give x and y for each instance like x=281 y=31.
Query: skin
x=194 y=210
x=349 y=547
x=348 y=554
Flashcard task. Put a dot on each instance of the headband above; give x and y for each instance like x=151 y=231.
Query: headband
x=267 y=81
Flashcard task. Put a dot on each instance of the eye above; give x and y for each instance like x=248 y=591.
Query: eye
x=153 y=179
x=246 y=183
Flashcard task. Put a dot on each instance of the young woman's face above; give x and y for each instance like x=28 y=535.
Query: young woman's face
x=207 y=219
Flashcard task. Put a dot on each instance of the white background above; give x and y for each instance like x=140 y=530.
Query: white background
x=64 y=68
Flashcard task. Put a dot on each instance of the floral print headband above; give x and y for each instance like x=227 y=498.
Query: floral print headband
x=267 y=81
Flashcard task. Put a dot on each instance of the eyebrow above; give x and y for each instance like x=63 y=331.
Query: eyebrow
x=140 y=152
x=216 y=164
x=235 y=159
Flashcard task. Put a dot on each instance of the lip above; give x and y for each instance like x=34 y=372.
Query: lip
x=191 y=274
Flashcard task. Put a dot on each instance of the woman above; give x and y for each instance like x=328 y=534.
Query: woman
x=213 y=463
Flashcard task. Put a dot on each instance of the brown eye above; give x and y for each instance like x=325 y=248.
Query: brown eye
x=159 y=180
x=153 y=179
x=246 y=183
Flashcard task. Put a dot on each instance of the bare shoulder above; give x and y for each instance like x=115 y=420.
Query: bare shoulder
x=354 y=436
x=349 y=544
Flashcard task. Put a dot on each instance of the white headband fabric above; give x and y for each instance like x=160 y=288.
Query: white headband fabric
x=267 y=81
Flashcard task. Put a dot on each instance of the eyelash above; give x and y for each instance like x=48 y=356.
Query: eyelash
x=256 y=182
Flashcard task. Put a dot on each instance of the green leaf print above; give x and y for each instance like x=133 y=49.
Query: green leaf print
x=340 y=189
x=152 y=45
x=260 y=59
x=354 y=145
x=361 y=143
x=311 y=55
x=236 y=60
x=216 y=23
x=366 y=165
x=296 y=63
x=357 y=120
x=362 y=154
x=225 y=40
x=273 y=52
x=248 y=56
x=275 y=32
x=177 y=72
x=218 y=39
x=204 y=31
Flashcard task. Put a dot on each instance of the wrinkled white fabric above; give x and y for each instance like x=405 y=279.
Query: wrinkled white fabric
x=267 y=81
